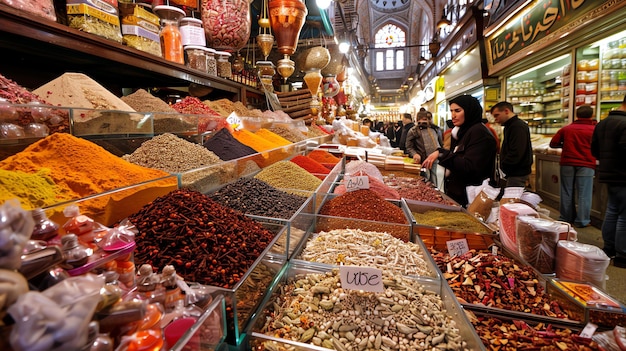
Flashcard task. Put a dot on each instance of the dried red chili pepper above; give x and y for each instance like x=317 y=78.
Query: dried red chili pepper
x=186 y=226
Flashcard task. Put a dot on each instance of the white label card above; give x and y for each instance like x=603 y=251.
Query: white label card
x=356 y=183
x=457 y=247
x=234 y=121
x=588 y=330
x=361 y=278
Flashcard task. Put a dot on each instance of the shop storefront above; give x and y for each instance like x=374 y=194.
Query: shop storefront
x=552 y=59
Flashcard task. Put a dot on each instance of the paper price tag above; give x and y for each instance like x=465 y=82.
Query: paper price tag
x=356 y=183
x=588 y=330
x=457 y=247
x=361 y=278
x=234 y=121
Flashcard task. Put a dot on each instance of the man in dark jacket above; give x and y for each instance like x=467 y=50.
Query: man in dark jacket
x=608 y=146
x=516 y=153
x=407 y=124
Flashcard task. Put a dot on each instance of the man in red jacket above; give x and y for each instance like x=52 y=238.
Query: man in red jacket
x=577 y=167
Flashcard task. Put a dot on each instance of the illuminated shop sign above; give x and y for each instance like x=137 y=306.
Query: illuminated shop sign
x=536 y=23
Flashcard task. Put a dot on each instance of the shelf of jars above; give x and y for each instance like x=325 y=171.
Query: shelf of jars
x=36 y=50
x=601 y=75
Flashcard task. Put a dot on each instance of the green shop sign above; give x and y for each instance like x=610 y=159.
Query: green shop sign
x=536 y=22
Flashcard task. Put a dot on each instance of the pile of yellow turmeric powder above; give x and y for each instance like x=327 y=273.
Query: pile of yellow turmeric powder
x=79 y=168
x=34 y=190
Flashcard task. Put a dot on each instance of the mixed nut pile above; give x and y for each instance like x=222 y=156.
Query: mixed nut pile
x=314 y=308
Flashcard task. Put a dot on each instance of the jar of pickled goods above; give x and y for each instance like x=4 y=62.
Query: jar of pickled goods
x=171 y=39
x=224 y=68
x=226 y=23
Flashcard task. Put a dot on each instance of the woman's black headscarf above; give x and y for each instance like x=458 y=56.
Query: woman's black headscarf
x=473 y=112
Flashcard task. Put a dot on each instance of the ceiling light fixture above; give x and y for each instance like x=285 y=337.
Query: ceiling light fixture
x=323 y=4
x=344 y=47
x=423 y=60
x=443 y=22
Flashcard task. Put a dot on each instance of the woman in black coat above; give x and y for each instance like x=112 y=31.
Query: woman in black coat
x=472 y=157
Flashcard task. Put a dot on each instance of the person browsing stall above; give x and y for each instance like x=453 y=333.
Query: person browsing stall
x=407 y=124
x=422 y=140
x=471 y=158
x=577 y=167
x=516 y=153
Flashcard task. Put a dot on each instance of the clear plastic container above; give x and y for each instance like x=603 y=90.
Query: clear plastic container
x=224 y=68
x=196 y=57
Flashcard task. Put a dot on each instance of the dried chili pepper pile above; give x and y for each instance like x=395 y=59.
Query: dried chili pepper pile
x=205 y=241
x=503 y=335
x=496 y=281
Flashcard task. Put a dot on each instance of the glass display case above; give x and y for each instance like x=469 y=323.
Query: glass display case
x=540 y=95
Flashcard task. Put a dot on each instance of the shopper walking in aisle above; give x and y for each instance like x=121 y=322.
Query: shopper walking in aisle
x=397 y=128
x=516 y=153
x=471 y=158
x=407 y=124
x=608 y=145
x=577 y=167
x=422 y=140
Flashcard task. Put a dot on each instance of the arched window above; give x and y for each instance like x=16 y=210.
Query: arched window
x=389 y=43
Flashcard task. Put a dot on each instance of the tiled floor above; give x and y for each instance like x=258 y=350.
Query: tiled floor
x=616 y=282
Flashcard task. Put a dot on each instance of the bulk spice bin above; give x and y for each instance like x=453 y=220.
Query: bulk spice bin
x=351 y=241
x=437 y=236
x=587 y=303
x=335 y=328
x=208 y=332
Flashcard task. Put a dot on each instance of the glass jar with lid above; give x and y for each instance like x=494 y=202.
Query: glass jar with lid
x=266 y=73
x=211 y=62
x=196 y=57
x=227 y=23
x=224 y=69
x=192 y=32
x=171 y=39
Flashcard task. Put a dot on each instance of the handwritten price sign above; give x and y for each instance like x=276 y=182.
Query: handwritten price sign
x=457 y=247
x=361 y=278
x=356 y=183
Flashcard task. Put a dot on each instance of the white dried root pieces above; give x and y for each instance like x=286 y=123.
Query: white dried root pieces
x=362 y=248
x=314 y=309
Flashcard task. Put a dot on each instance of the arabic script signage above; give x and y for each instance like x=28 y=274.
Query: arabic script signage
x=537 y=22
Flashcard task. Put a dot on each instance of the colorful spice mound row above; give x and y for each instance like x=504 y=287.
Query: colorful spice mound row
x=80 y=168
x=32 y=190
x=416 y=189
x=375 y=185
x=206 y=242
x=497 y=281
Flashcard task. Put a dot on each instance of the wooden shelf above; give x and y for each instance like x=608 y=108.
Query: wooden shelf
x=36 y=50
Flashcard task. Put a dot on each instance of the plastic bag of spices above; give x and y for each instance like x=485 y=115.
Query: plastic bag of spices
x=99 y=18
x=482 y=204
x=536 y=242
x=16 y=227
x=57 y=318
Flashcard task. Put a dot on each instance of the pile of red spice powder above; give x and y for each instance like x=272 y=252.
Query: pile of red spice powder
x=312 y=166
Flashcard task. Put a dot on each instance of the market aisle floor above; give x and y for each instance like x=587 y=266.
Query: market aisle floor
x=616 y=283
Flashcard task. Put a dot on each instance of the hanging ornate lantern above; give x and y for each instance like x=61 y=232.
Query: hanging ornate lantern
x=286 y=19
x=265 y=39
